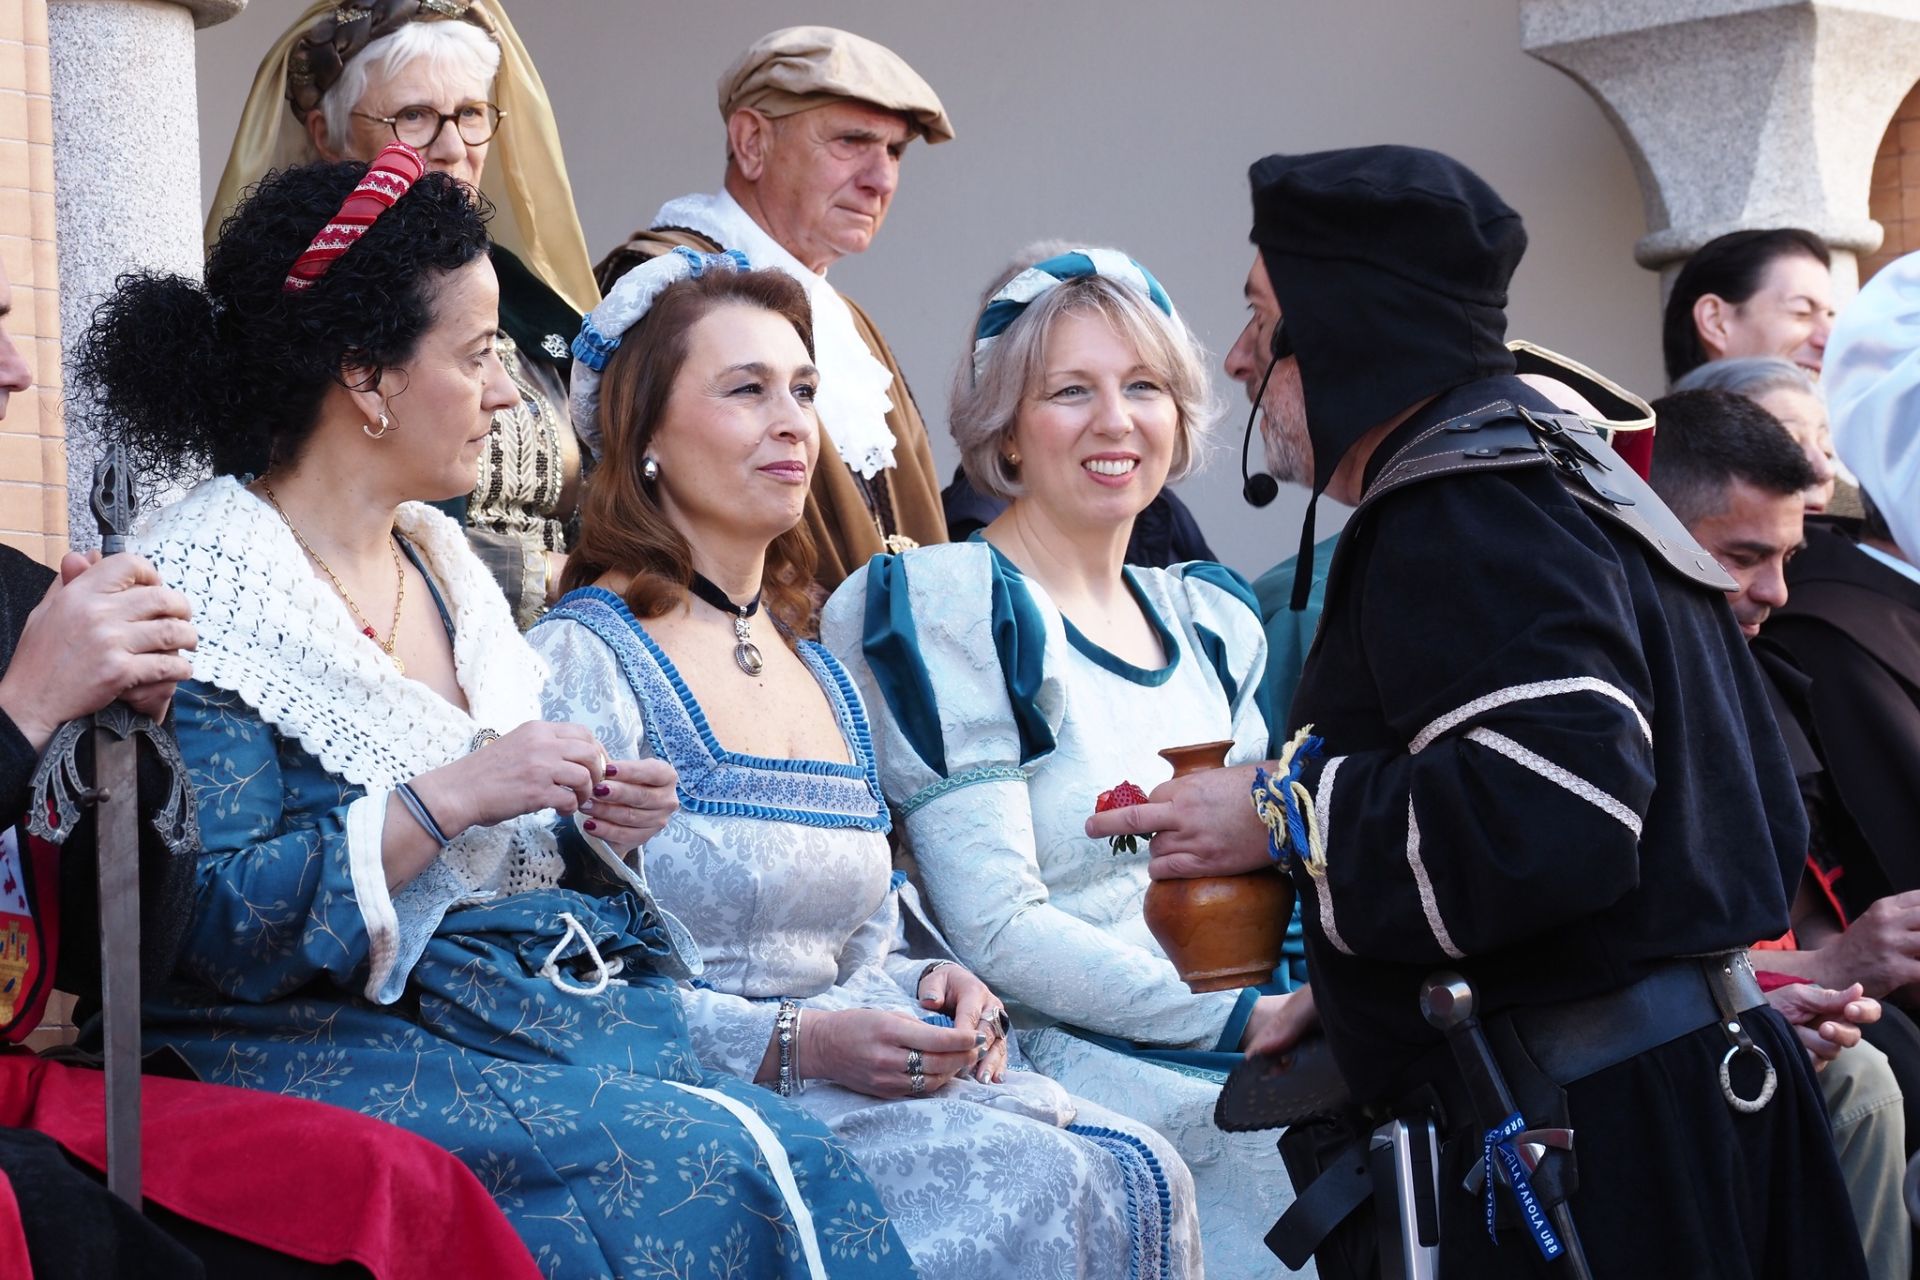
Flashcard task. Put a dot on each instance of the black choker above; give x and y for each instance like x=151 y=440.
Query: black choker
x=745 y=653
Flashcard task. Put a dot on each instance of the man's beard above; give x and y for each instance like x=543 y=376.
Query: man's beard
x=1289 y=451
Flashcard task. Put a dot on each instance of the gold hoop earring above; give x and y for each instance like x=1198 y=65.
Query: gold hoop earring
x=386 y=425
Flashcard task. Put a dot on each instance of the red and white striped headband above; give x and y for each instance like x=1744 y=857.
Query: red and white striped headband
x=392 y=173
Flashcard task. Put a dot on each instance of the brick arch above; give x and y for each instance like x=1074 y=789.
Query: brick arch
x=1895 y=198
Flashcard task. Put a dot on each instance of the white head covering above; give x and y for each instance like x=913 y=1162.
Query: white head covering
x=603 y=329
x=1871 y=374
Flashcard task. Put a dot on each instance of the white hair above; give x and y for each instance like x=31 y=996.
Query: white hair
x=1749 y=376
x=457 y=48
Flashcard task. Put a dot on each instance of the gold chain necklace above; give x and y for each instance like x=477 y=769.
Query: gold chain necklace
x=366 y=628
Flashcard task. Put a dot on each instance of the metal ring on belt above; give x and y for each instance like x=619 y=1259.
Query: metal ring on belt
x=1746 y=1106
x=1571 y=1041
x=1726 y=978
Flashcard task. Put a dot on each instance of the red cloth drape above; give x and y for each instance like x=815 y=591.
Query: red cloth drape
x=313 y=1181
x=13 y=1237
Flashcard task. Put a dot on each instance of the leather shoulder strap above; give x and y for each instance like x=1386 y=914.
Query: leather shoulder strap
x=1502 y=435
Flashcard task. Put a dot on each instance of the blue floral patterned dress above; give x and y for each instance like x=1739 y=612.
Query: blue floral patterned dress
x=516 y=1002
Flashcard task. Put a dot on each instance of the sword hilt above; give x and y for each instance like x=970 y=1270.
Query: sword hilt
x=111 y=499
x=1448 y=1001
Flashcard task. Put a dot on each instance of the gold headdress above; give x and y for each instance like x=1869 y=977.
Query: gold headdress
x=525 y=176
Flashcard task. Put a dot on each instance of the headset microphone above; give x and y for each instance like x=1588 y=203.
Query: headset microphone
x=1259 y=490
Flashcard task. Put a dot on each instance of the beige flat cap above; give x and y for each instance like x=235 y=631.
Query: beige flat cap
x=798 y=68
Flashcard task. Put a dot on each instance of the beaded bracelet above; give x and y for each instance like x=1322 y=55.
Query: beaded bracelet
x=418 y=808
x=784 y=1024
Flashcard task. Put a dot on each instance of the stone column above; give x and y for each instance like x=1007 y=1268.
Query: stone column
x=1741 y=113
x=126 y=155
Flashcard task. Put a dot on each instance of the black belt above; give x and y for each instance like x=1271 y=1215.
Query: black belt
x=1565 y=1043
x=1572 y=1041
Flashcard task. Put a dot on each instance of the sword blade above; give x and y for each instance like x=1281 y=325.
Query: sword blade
x=117 y=824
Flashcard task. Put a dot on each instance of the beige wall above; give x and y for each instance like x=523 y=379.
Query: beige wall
x=33 y=467
x=1126 y=121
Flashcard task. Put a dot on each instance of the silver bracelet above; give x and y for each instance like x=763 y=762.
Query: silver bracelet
x=925 y=972
x=799 y=1076
x=784 y=1025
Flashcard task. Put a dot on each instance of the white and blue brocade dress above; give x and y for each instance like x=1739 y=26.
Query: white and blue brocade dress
x=997 y=724
x=781 y=870
x=466 y=1006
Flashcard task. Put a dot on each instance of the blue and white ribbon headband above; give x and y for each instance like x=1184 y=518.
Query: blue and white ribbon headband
x=1018 y=293
x=619 y=311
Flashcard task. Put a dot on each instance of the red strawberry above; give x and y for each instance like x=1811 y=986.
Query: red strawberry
x=1124 y=796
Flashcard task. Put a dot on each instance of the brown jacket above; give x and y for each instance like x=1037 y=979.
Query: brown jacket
x=845 y=530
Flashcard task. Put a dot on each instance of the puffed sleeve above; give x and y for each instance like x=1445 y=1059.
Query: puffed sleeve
x=1512 y=802
x=950 y=652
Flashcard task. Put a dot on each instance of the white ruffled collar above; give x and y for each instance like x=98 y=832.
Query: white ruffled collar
x=856 y=389
x=274 y=633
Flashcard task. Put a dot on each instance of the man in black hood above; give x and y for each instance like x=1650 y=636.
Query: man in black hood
x=1541 y=758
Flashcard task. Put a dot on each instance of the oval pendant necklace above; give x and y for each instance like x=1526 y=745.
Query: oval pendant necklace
x=746 y=654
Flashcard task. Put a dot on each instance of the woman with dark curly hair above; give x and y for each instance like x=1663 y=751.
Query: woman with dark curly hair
x=386 y=917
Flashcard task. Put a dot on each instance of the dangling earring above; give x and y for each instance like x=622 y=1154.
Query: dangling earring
x=650 y=471
x=386 y=425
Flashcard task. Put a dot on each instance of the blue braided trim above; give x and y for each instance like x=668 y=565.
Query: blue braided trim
x=1149 y=1199
x=717 y=782
x=698 y=263
x=593 y=348
x=973 y=777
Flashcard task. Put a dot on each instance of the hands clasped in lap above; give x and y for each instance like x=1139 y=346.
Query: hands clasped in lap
x=888 y=1054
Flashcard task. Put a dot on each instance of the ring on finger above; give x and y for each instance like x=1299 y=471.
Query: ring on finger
x=916 y=1065
x=917 y=1084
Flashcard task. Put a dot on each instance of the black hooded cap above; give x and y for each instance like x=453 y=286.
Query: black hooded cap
x=1390 y=265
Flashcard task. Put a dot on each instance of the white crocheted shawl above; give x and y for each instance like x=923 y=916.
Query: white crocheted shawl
x=274 y=633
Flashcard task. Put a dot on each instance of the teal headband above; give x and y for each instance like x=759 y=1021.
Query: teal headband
x=1018 y=293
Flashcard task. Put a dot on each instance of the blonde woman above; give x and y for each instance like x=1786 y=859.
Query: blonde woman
x=1014 y=677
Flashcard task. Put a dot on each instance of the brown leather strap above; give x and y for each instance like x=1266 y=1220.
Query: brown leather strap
x=1501 y=435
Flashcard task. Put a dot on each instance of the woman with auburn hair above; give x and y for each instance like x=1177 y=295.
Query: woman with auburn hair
x=388 y=915
x=683 y=641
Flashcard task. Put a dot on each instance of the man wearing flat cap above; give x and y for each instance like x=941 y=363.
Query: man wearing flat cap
x=817 y=121
x=1540 y=758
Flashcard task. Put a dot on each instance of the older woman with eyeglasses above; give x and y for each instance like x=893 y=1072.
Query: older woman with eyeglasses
x=451 y=79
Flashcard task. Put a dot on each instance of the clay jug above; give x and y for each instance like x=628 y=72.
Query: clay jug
x=1220 y=932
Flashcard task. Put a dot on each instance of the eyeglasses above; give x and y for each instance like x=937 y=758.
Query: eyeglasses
x=419 y=125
